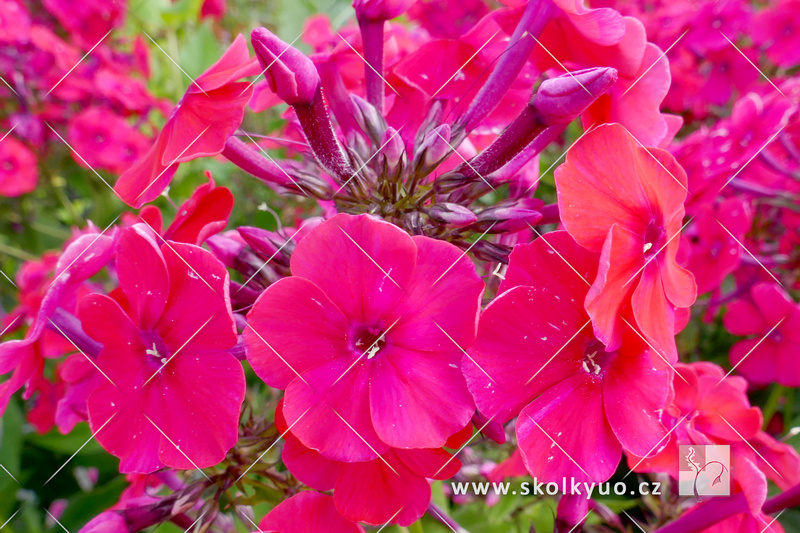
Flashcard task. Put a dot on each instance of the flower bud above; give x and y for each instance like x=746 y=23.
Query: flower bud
x=435 y=145
x=291 y=75
x=268 y=245
x=511 y=215
x=565 y=97
x=452 y=214
x=106 y=522
x=393 y=149
x=369 y=118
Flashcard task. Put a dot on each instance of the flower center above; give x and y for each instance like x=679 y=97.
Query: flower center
x=367 y=339
x=654 y=239
x=155 y=349
x=595 y=357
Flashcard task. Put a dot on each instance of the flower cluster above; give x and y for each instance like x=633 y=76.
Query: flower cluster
x=442 y=308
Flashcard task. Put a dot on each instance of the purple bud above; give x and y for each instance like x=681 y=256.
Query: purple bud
x=291 y=75
x=380 y=9
x=452 y=214
x=565 y=97
x=393 y=148
x=268 y=245
x=511 y=216
x=369 y=118
x=435 y=145
x=106 y=522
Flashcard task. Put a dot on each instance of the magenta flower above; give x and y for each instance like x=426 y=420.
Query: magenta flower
x=626 y=203
x=101 y=139
x=18 y=171
x=319 y=515
x=165 y=337
x=537 y=357
x=771 y=320
x=776 y=29
x=209 y=112
x=369 y=349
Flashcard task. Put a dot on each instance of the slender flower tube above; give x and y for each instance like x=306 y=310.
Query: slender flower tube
x=533 y=21
x=294 y=78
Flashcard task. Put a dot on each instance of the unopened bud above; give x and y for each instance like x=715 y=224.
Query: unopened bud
x=393 y=149
x=291 y=75
x=369 y=118
x=436 y=145
x=452 y=214
x=510 y=216
x=268 y=245
x=563 y=98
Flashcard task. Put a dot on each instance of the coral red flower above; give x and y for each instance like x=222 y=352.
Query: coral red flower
x=209 y=112
x=369 y=349
x=18 y=171
x=319 y=515
x=165 y=336
x=536 y=357
x=626 y=203
x=771 y=320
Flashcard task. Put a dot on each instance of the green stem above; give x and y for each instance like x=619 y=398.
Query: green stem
x=771 y=407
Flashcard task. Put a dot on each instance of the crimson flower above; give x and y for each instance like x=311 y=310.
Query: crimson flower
x=209 y=112
x=625 y=202
x=165 y=335
x=366 y=338
x=536 y=357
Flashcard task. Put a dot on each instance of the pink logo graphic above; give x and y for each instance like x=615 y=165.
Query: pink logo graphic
x=704 y=470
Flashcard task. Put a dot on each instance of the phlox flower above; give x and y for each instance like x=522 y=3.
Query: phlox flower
x=18 y=171
x=366 y=337
x=775 y=28
x=101 y=139
x=319 y=515
x=165 y=334
x=625 y=202
x=771 y=321
x=536 y=356
x=392 y=488
x=209 y=112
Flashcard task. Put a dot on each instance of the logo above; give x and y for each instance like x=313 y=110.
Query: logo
x=704 y=470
